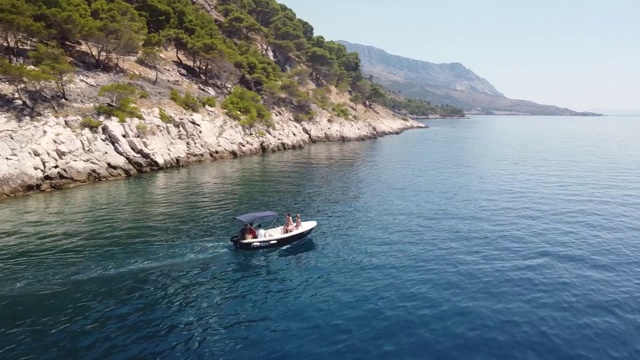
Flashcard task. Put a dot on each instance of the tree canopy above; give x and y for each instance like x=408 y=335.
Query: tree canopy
x=260 y=45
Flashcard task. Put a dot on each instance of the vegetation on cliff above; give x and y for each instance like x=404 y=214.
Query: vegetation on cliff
x=256 y=53
x=418 y=107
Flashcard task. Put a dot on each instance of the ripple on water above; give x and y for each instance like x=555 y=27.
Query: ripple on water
x=483 y=238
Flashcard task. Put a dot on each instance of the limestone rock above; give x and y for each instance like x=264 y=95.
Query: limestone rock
x=50 y=153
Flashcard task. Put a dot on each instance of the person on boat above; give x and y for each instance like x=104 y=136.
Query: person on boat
x=252 y=232
x=243 y=231
x=288 y=224
x=298 y=222
x=260 y=232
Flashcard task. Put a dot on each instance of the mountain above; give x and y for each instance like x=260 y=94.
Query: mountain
x=452 y=84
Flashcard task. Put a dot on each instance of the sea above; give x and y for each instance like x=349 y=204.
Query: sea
x=494 y=237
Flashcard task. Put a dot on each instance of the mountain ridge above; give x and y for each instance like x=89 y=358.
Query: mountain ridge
x=445 y=83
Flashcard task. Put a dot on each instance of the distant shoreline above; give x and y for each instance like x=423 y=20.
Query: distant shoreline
x=578 y=114
x=438 y=117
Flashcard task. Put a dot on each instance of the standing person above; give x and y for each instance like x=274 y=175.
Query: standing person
x=298 y=222
x=260 y=232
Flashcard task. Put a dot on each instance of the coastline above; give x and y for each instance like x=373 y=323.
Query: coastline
x=51 y=153
x=437 y=117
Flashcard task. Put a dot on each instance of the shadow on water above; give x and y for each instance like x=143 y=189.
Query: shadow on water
x=263 y=262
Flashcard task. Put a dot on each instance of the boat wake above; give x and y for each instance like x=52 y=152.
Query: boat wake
x=54 y=281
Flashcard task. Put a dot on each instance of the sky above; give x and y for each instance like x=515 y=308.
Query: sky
x=579 y=54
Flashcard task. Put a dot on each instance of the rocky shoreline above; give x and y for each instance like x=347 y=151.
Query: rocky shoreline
x=50 y=153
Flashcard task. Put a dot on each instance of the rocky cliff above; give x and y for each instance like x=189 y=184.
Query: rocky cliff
x=49 y=152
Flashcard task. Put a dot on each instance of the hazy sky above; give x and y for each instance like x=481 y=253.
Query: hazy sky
x=580 y=54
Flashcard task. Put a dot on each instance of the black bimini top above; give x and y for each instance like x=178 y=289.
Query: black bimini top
x=252 y=217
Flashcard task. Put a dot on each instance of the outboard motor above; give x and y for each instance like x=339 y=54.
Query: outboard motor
x=235 y=240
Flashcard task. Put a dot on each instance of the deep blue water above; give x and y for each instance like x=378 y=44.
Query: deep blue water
x=494 y=237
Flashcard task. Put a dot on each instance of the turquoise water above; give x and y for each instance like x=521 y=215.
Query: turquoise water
x=494 y=237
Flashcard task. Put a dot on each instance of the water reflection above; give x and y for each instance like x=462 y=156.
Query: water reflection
x=143 y=268
x=152 y=253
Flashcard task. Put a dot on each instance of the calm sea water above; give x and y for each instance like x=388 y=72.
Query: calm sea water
x=494 y=237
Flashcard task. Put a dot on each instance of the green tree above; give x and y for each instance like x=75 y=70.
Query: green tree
x=157 y=14
x=376 y=94
x=322 y=65
x=117 y=29
x=241 y=26
x=264 y=11
x=257 y=70
x=17 y=27
x=178 y=38
x=64 y=19
x=23 y=78
x=307 y=29
x=299 y=75
x=245 y=106
x=151 y=53
x=223 y=73
x=122 y=101
x=118 y=91
x=361 y=87
x=53 y=62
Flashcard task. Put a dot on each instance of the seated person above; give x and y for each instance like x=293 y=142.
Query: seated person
x=251 y=232
x=260 y=232
x=243 y=231
x=288 y=224
x=298 y=222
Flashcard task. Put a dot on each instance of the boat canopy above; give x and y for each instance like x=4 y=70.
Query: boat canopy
x=253 y=217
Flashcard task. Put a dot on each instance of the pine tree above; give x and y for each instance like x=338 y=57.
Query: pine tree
x=53 y=62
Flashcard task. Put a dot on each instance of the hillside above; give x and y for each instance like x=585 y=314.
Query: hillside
x=451 y=84
x=257 y=55
x=100 y=89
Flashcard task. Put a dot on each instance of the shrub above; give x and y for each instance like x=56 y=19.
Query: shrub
x=132 y=76
x=271 y=90
x=302 y=117
x=343 y=86
x=261 y=133
x=340 y=110
x=125 y=109
x=174 y=95
x=143 y=129
x=187 y=102
x=143 y=94
x=208 y=101
x=123 y=104
x=190 y=102
x=246 y=107
x=290 y=88
x=118 y=91
x=89 y=123
x=164 y=117
x=321 y=97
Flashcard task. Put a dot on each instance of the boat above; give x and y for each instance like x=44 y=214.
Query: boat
x=274 y=234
